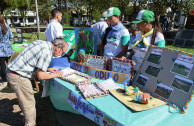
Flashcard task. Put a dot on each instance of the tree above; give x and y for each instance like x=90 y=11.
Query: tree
x=175 y=6
x=44 y=8
x=24 y=5
x=66 y=17
x=134 y=7
x=5 y=4
x=158 y=7
x=96 y=15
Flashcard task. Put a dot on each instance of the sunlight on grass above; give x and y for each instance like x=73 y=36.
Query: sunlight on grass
x=188 y=50
x=30 y=37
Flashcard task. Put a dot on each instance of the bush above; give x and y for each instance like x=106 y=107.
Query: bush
x=66 y=17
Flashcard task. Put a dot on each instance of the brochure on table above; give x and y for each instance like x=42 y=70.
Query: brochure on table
x=168 y=75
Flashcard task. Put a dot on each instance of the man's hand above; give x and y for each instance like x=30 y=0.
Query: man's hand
x=41 y=75
x=52 y=70
x=59 y=73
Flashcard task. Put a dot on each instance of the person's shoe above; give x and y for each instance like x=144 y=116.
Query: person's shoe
x=3 y=85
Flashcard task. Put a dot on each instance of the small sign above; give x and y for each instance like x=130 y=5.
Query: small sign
x=121 y=66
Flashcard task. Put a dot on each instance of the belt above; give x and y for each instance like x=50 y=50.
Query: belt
x=13 y=73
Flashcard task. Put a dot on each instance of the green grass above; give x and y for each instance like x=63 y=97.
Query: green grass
x=188 y=50
x=30 y=37
x=186 y=87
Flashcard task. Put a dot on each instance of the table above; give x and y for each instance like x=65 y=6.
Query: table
x=164 y=115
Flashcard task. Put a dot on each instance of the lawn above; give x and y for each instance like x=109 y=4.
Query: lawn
x=188 y=50
x=30 y=37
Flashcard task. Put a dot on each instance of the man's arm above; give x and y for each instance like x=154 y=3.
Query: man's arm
x=124 y=43
x=46 y=76
x=123 y=52
x=58 y=30
x=102 y=49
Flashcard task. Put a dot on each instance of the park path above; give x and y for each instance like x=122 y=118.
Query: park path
x=47 y=115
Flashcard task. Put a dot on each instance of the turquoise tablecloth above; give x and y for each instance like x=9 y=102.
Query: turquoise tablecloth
x=160 y=116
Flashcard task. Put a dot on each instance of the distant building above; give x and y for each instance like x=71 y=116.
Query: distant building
x=15 y=18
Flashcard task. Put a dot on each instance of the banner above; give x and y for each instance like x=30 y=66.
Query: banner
x=101 y=74
x=89 y=111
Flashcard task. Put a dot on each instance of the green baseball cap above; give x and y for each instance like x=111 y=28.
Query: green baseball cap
x=144 y=15
x=113 y=11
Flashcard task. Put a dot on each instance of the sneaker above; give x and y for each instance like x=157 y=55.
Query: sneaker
x=3 y=85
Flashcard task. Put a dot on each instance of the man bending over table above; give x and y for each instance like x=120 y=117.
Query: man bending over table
x=33 y=62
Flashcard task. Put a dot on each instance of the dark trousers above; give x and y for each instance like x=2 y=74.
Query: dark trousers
x=3 y=61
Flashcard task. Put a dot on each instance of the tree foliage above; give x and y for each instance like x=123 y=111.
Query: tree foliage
x=66 y=17
x=5 y=4
x=186 y=6
x=158 y=7
x=44 y=8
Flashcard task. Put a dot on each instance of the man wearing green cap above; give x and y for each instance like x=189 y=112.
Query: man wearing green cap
x=150 y=34
x=115 y=41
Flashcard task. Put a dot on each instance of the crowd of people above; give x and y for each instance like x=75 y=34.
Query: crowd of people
x=113 y=39
x=132 y=43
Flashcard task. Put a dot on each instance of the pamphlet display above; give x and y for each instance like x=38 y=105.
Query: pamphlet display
x=92 y=90
x=168 y=75
x=109 y=84
x=121 y=65
x=75 y=77
x=99 y=62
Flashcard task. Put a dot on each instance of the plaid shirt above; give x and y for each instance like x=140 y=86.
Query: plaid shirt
x=37 y=55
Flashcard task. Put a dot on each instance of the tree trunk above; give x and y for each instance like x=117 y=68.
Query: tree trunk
x=66 y=6
x=172 y=21
x=24 y=18
x=185 y=21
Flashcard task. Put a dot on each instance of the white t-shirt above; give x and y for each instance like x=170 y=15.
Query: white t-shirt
x=53 y=30
x=140 y=49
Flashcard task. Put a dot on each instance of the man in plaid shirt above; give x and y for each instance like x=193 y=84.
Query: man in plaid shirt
x=33 y=62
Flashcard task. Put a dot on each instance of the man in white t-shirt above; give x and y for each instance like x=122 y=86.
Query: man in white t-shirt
x=54 y=29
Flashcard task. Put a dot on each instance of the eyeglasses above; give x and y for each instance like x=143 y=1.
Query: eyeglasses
x=63 y=53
